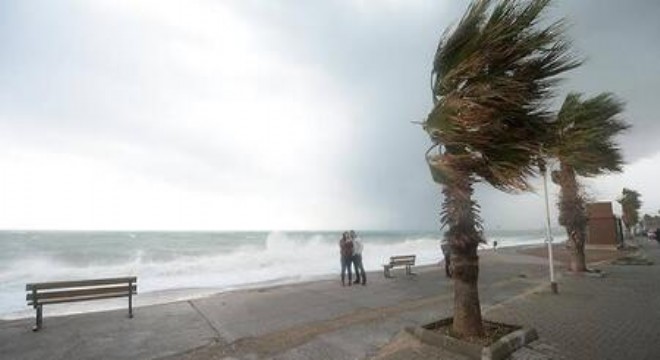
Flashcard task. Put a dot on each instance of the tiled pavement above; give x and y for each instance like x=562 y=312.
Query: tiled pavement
x=616 y=316
x=612 y=317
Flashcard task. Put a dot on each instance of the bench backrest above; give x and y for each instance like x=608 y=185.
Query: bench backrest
x=79 y=290
x=402 y=260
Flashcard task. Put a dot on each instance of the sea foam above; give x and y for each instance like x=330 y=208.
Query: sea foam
x=172 y=267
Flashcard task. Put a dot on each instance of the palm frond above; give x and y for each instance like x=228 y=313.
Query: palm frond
x=630 y=204
x=584 y=133
x=492 y=75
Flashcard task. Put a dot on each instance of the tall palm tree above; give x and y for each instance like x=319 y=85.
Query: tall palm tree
x=583 y=141
x=491 y=75
x=630 y=204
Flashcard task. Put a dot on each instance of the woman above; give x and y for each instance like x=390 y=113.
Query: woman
x=346 y=251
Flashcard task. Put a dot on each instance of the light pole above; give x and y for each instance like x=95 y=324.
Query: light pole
x=548 y=233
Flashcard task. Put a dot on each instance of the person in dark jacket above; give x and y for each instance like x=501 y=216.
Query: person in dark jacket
x=446 y=252
x=346 y=251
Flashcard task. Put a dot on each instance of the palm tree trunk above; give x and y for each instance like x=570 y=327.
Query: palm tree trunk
x=467 y=309
x=626 y=223
x=578 y=261
x=630 y=232
x=460 y=212
x=572 y=215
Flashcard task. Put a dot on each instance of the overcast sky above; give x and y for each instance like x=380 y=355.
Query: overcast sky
x=260 y=115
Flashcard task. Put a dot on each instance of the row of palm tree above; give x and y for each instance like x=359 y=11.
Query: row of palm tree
x=493 y=76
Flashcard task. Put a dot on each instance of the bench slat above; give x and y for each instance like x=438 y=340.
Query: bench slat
x=68 y=300
x=403 y=257
x=79 y=283
x=80 y=292
x=402 y=260
x=401 y=263
x=407 y=261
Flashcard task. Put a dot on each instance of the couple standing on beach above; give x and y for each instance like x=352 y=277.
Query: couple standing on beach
x=351 y=254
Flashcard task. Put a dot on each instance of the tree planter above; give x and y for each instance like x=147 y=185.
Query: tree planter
x=594 y=273
x=633 y=259
x=501 y=347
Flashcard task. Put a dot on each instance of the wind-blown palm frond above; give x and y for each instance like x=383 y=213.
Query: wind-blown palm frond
x=584 y=134
x=582 y=139
x=491 y=75
x=630 y=204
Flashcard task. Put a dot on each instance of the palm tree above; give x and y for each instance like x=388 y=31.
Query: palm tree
x=583 y=141
x=492 y=73
x=630 y=205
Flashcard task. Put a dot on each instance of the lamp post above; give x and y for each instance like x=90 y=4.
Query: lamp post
x=548 y=233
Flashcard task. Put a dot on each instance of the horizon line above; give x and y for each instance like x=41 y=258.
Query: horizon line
x=254 y=230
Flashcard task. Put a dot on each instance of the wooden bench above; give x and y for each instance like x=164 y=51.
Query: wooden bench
x=402 y=260
x=46 y=293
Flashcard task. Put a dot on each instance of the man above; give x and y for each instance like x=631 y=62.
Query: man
x=346 y=251
x=357 y=259
x=446 y=252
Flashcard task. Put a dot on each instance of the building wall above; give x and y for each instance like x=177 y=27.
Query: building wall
x=602 y=227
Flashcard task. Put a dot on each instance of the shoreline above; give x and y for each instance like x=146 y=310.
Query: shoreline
x=234 y=261
x=317 y=318
x=174 y=295
x=154 y=298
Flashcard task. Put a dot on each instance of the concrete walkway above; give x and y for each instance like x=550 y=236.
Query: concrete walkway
x=305 y=321
x=612 y=317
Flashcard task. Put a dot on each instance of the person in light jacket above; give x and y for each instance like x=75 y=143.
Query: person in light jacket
x=360 y=274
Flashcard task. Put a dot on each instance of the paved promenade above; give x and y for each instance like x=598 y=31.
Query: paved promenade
x=613 y=317
x=592 y=318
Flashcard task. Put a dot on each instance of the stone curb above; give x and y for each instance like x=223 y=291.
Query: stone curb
x=508 y=344
x=637 y=258
x=499 y=350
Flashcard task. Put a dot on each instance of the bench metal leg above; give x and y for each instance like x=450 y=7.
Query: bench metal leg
x=386 y=271
x=130 y=300
x=409 y=270
x=39 y=321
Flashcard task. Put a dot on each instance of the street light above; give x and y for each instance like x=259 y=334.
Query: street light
x=548 y=233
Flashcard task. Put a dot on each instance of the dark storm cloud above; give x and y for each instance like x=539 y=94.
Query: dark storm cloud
x=619 y=41
x=77 y=78
x=383 y=59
